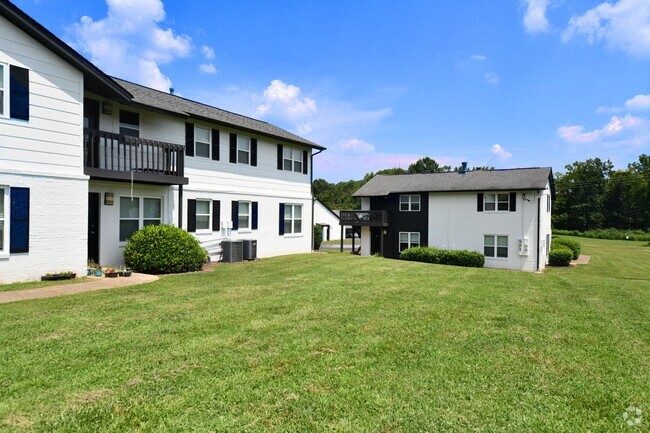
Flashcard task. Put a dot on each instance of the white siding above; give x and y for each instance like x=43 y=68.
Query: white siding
x=323 y=216
x=51 y=141
x=57 y=228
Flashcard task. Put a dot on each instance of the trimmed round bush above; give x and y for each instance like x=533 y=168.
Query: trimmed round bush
x=560 y=256
x=570 y=244
x=465 y=258
x=318 y=236
x=163 y=249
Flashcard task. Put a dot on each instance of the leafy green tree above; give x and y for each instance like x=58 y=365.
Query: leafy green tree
x=427 y=165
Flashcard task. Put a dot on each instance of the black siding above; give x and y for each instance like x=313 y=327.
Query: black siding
x=402 y=221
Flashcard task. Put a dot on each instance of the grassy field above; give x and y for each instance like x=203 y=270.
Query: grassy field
x=335 y=342
x=35 y=284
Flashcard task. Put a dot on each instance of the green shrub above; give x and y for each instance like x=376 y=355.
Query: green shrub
x=570 y=244
x=163 y=249
x=560 y=256
x=444 y=257
x=318 y=236
x=612 y=234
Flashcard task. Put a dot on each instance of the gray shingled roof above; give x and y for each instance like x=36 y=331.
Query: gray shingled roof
x=479 y=180
x=185 y=107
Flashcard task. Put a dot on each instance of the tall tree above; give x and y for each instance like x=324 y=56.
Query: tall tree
x=427 y=165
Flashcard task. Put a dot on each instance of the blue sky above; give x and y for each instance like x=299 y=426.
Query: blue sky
x=507 y=83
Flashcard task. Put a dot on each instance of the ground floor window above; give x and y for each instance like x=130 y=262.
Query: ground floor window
x=4 y=232
x=244 y=215
x=495 y=246
x=292 y=218
x=408 y=240
x=138 y=212
x=203 y=215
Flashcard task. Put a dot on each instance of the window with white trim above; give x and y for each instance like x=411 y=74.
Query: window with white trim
x=409 y=202
x=4 y=226
x=138 y=212
x=292 y=218
x=243 y=149
x=202 y=141
x=292 y=159
x=203 y=214
x=495 y=246
x=548 y=204
x=129 y=123
x=244 y=215
x=408 y=240
x=4 y=94
x=497 y=202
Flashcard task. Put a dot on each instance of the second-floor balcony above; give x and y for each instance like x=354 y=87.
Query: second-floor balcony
x=370 y=218
x=110 y=156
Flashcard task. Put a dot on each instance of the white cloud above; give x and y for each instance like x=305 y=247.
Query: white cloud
x=535 y=17
x=491 y=78
x=478 y=57
x=500 y=152
x=627 y=130
x=608 y=110
x=207 y=68
x=207 y=52
x=356 y=146
x=285 y=98
x=638 y=103
x=130 y=42
x=623 y=25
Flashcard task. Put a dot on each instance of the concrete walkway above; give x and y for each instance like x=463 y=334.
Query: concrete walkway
x=71 y=289
x=581 y=260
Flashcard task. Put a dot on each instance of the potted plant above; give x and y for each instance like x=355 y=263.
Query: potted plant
x=92 y=267
x=127 y=272
x=67 y=275
x=111 y=272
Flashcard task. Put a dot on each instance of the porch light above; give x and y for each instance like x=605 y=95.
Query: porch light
x=107 y=107
x=109 y=197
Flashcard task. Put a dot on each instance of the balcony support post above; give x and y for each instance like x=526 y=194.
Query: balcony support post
x=180 y=206
x=342 y=236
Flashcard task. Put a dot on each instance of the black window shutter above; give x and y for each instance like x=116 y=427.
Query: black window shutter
x=235 y=215
x=281 y=218
x=19 y=221
x=513 y=202
x=18 y=93
x=215 y=144
x=216 y=215
x=233 y=148
x=254 y=218
x=305 y=162
x=479 y=202
x=191 y=216
x=280 y=156
x=254 y=152
x=189 y=139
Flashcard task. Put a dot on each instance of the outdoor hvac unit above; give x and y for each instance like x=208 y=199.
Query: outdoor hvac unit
x=250 y=249
x=232 y=251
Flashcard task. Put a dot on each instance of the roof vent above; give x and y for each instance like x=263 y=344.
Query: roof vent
x=463 y=169
x=171 y=90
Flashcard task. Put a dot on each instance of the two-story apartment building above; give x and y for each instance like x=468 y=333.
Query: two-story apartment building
x=86 y=160
x=505 y=214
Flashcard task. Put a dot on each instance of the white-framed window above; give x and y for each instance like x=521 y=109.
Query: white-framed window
x=4 y=91
x=497 y=202
x=203 y=214
x=129 y=123
x=202 y=141
x=409 y=202
x=244 y=215
x=292 y=218
x=408 y=240
x=495 y=246
x=292 y=159
x=548 y=204
x=4 y=220
x=243 y=150
x=138 y=212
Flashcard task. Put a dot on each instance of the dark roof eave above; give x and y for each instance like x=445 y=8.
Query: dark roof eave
x=92 y=74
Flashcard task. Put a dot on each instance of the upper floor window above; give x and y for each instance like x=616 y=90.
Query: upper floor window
x=292 y=159
x=409 y=202
x=129 y=123
x=4 y=95
x=548 y=203
x=243 y=149
x=202 y=141
x=497 y=202
x=14 y=92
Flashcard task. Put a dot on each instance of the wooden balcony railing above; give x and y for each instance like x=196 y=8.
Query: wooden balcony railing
x=372 y=218
x=121 y=157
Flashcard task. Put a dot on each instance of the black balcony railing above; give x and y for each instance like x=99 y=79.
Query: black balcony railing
x=373 y=218
x=121 y=157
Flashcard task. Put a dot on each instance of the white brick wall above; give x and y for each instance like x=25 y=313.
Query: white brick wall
x=57 y=227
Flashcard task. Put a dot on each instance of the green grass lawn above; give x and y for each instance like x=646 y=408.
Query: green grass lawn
x=35 y=284
x=336 y=342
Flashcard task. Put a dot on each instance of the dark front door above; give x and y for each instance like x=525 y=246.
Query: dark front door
x=93 y=226
x=375 y=240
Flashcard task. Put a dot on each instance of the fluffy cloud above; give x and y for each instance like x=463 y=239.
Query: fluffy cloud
x=500 y=152
x=491 y=78
x=638 y=103
x=207 y=52
x=285 y=98
x=356 y=146
x=627 y=130
x=623 y=25
x=478 y=57
x=207 y=68
x=535 y=17
x=130 y=42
